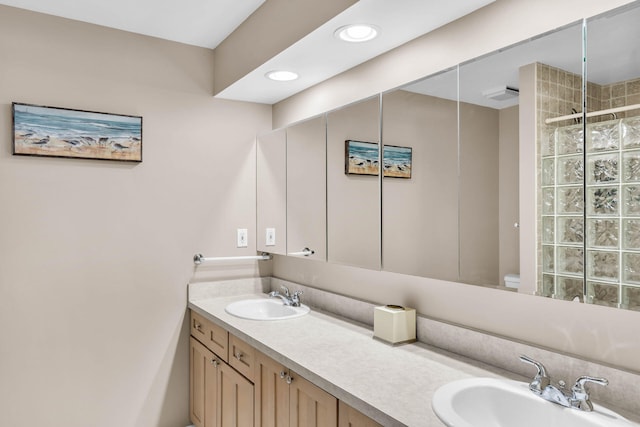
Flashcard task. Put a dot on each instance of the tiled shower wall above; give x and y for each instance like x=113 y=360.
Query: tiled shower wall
x=612 y=229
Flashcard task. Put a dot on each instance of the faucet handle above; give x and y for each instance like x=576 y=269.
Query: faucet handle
x=580 y=396
x=541 y=380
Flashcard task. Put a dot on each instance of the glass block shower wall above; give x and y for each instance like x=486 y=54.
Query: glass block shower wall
x=598 y=242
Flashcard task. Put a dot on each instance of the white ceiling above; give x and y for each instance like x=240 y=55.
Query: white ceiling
x=316 y=57
x=203 y=23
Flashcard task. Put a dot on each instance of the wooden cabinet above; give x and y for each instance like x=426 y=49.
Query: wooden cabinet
x=284 y=399
x=219 y=396
x=202 y=385
x=214 y=337
x=349 y=417
x=272 y=393
x=235 y=398
x=310 y=406
x=241 y=357
x=234 y=385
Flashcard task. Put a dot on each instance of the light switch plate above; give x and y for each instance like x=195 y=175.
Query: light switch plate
x=270 y=237
x=243 y=238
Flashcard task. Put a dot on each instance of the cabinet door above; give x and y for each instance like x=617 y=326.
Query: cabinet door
x=235 y=398
x=310 y=405
x=271 y=393
x=202 y=385
x=349 y=417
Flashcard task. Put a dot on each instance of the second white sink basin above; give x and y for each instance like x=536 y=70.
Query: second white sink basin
x=265 y=309
x=479 y=402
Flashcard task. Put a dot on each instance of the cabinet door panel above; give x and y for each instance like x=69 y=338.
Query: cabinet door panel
x=235 y=398
x=272 y=393
x=349 y=417
x=311 y=406
x=202 y=385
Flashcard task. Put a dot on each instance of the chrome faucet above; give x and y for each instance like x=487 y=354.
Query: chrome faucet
x=287 y=298
x=577 y=399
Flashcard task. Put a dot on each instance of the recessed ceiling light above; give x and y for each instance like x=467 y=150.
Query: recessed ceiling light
x=356 y=33
x=281 y=75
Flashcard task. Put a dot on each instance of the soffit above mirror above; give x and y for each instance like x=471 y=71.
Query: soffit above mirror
x=319 y=55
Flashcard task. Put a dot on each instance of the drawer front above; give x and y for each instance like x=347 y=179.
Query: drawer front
x=218 y=341
x=214 y=337
x=199 y=326
x=242 y=357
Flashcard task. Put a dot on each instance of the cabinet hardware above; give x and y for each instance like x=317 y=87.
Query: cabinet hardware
x=215 y=363
x=197 y=326
x=238 y=356
x=288 y=378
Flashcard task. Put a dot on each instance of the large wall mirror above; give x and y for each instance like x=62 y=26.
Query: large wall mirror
x=271 y=192
x=353 y=184
x=516 y=87
x=420 y=186
x=612 y=159
x=491 y=172
x=291 y=190
x=306 y=189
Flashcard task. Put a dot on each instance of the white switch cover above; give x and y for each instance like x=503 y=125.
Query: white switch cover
x=270 y=237
x=243 y=237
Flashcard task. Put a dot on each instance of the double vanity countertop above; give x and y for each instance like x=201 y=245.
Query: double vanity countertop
x=393 y=385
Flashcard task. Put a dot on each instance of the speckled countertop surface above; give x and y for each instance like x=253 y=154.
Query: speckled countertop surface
x=393 y=385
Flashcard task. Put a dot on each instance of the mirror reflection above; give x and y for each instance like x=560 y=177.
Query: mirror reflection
x=420 y=220
x=353 y=185
x=488 y=177
x=306 y=189
x=613 y=160
x=271 y=192
x=598 y=254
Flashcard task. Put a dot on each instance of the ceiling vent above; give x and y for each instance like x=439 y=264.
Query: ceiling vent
x=501 y=93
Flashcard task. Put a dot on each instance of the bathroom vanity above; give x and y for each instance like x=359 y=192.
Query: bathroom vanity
x=247 y=372
x=315 y=370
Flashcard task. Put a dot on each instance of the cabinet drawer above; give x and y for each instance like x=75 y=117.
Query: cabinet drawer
x=214 y=337
x=242 y=357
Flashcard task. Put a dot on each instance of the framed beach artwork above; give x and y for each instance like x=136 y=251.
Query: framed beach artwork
x=361 y=158
x=63 y=132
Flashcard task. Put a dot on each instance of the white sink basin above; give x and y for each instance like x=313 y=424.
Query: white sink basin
x=265 y=309
x=483 y=402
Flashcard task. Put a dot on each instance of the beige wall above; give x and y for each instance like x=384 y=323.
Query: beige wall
x=95 y=256
x=593 y=332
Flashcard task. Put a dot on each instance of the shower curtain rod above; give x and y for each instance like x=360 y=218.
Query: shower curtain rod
x=594 y=113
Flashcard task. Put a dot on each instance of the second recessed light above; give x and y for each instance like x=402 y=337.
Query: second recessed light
x=281 y=75
x=357 y=33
